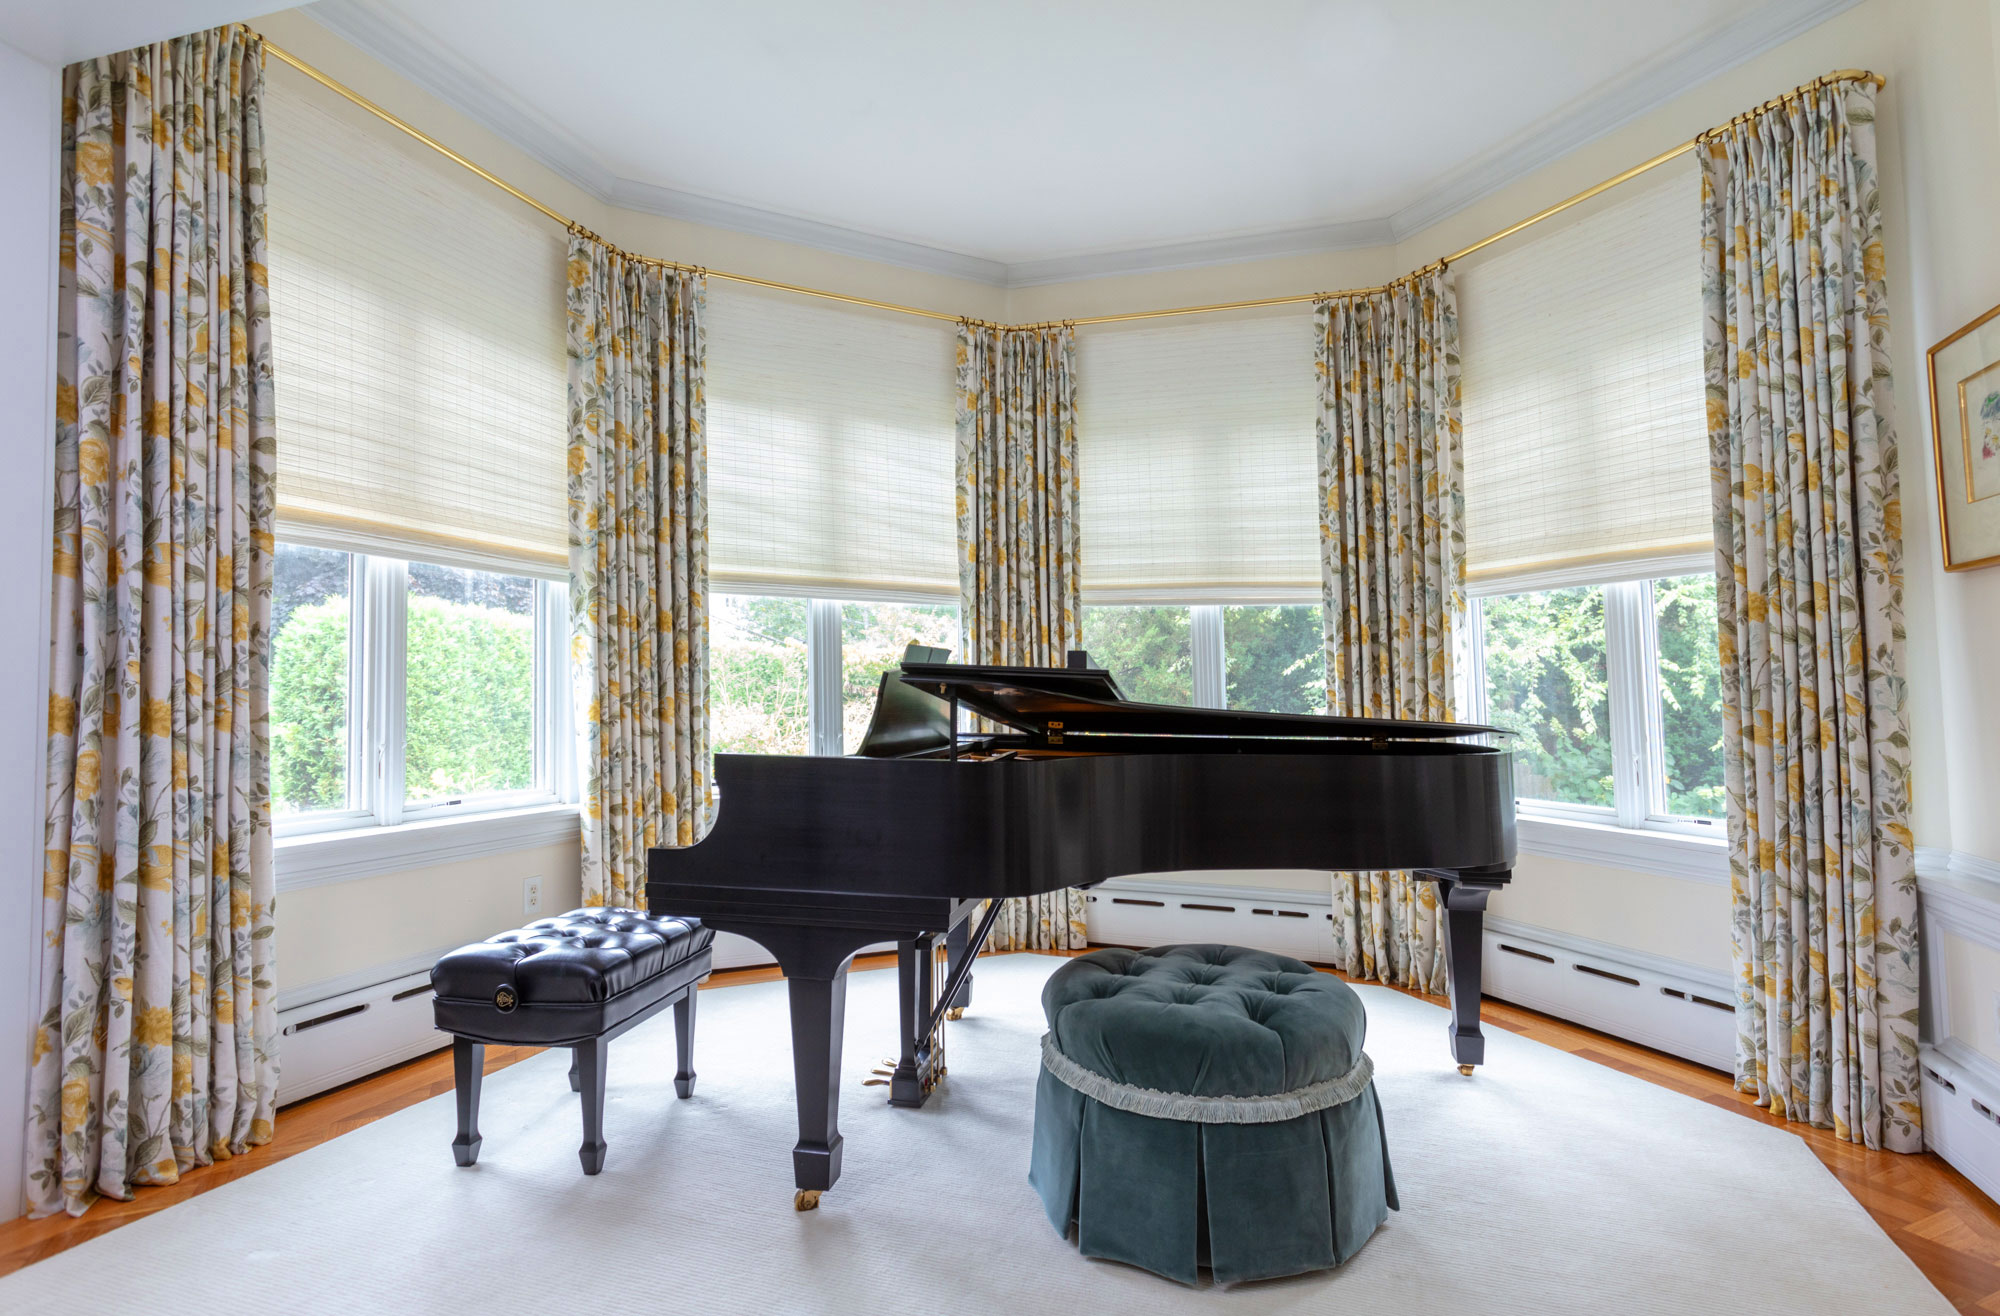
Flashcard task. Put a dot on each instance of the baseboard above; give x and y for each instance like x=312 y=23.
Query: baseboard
x=1961 y=1096
x=1671 y=1006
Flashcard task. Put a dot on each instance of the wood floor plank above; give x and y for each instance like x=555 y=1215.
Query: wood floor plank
x=1940 y=1220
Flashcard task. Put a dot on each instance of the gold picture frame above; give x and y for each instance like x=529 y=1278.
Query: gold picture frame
x=1964 y=378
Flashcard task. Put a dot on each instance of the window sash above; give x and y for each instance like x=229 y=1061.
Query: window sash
x=1638 y=741
x=378 y=636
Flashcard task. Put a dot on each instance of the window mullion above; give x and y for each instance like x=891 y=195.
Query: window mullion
x=1472 y=705
x=823 y=676
x=1626 y=646
x=555 y=718
x=1205 y=635
x=383 y=615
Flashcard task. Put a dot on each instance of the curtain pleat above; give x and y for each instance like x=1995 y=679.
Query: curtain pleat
x=1392 y=559
x=157 y=1049
x=1808 y=534
x=638 y=550
x=1020 y=586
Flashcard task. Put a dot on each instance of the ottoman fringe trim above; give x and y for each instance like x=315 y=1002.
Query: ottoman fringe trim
x=1207 y=1110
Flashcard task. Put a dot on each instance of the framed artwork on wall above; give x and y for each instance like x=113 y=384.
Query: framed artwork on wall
x=1964 y=372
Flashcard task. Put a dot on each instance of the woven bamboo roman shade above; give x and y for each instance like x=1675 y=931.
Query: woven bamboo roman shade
x=417 y=332
x=830 y=447
x=1585 y=438
x=1199 y=465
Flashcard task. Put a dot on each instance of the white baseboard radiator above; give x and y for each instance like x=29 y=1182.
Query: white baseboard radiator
x=1962 y=1111
x=337 y=1031
x=1661 y=1003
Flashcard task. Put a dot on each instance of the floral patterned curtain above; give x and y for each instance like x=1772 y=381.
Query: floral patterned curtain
x=1392 y=566
x=157 y=1048
x=1808 y=534
x=1020 y=589
x=638 y=561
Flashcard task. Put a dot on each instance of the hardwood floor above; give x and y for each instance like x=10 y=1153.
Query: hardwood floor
x=1948 y=1227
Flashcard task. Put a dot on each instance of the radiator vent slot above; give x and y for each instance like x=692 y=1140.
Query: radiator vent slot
x=1527 y=954
x=1713 y=1005
x=1151 y=904
x=1605 y=973
x=315 y=1022
x=1267 y=912
x=1213 y=909
x=1940 y=1080
x=408 y=992
x=1291 y=913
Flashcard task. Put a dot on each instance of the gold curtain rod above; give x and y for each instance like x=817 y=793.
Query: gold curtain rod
x=1805 y=89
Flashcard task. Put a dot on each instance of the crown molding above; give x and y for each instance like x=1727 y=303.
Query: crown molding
x=1347 y=235
x=1629 y=98
x=432 y=65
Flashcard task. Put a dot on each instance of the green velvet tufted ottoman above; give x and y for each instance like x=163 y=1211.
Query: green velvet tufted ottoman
x=1208 y=1105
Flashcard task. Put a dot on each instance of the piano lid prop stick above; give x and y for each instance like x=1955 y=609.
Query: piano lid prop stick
x=972 y=949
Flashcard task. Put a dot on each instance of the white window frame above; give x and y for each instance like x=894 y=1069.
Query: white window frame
x=378 y=634
x=1638 y=748
x=1208 y=649
x=825 y=732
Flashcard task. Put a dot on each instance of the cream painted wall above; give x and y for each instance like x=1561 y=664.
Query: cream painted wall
x=29 y=140
x=1678 y=918
x=341 y=928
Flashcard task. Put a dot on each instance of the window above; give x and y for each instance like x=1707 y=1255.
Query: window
x=417 y=326
x=1274 y=657
x=1199 y=462
x=799 y=676
x=1264 y=657
x=1614 y=693
x=1582 y=384
x=759 y=681
x=832 y=436
x=406 y=690
x=312 y=623
x=872 y=639
x=1148 y=649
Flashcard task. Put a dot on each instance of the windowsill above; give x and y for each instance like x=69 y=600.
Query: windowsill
x=1639 y=849
x=320 y=858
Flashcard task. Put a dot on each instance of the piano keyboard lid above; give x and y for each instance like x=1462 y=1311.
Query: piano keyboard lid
x=1082 y=698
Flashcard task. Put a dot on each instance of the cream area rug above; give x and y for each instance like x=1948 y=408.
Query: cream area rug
x=1545 y=1184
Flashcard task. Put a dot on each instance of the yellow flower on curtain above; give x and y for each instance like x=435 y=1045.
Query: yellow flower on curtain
x=1392 y=566
x=157 y=1046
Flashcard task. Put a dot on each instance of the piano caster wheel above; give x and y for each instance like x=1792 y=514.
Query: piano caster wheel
x=1465 y=1070
x=806 y=1199
x=956 y=1012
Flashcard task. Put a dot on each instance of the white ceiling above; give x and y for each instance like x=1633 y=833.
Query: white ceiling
x=1030 y=140
x=64 y=31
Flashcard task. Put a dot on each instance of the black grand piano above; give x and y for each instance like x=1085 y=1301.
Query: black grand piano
x=816 y=858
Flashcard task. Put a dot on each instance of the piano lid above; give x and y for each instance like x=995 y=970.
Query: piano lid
x=1087 y=699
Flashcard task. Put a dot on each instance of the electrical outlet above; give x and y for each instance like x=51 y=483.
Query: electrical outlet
x=531 y=896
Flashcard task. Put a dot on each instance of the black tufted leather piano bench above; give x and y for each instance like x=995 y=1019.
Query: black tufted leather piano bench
x=578 y=981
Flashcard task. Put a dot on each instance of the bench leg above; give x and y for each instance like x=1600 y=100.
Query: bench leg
x=589 y=1062
x=684 y=1042
x=468 y=1067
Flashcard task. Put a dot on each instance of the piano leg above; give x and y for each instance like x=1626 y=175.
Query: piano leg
x=1464 y=930
x=955 y=947
x=819 y=1016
